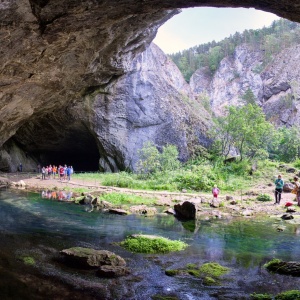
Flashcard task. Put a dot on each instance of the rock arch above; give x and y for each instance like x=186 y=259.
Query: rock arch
x=58 y=55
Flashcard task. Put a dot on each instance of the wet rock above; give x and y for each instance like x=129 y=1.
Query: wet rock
x=143 y=210
x=284 y=267
x=79 y=200
x=287 y=217
x=109 y=271
x=170 y=211
x=89 y=199
x=186 y=210
x=118 y=211
x=80 y=257
x=102 y=204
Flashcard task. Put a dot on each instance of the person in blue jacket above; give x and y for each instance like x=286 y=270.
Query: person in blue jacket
x=278 y=189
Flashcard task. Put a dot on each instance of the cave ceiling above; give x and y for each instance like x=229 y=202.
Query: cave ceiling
x=55 y=53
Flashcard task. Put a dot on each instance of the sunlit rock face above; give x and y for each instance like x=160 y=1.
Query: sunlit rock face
x=274 y=85
x=57 y=56
x=152 y=102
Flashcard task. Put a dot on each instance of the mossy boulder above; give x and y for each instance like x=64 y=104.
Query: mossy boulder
x=289 y=295
x=87 y=258
x=209 y=272
x=283 y=267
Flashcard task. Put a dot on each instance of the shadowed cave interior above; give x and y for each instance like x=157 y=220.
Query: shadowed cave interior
x=55 y=140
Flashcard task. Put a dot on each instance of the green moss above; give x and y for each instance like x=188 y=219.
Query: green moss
x=142 y=244
x=289 y=295
x=255 y=296
x=191 y=266
x=172 y=272
x=209 y=281
x=194 y=272
x=272 y=263
x=213 y=269
x=28 y=260
x=161 y=297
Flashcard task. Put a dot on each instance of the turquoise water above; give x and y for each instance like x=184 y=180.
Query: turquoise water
x=31 y=226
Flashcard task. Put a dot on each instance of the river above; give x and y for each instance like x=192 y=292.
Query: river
x=34 y=228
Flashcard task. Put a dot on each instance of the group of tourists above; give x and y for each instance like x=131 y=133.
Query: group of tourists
x=62 y=172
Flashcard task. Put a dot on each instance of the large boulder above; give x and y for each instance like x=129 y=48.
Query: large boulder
x=186 y=210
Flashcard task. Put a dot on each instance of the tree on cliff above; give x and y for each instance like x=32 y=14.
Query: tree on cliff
x=245 y=129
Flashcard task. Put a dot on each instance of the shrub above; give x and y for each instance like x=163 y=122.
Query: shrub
x=264 y=197
x=119 y=198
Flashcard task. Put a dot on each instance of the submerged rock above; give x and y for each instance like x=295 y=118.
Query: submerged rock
x=118 y=211
x=143 y=210
x=283 y=267
x=80 y=257
x=112 y=271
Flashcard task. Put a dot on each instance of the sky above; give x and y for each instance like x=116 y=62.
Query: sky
x=195 y=26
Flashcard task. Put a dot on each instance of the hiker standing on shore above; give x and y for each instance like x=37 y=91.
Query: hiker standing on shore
x=278 y=189
x=296 y=189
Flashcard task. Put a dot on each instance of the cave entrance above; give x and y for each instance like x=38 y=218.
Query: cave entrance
x=53 y=141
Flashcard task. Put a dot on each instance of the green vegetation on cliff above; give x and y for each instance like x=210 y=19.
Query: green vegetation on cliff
x=270 y=40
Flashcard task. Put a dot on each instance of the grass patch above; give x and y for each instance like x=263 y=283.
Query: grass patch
x=143 y=244
x=194 y=176
x=120 y=198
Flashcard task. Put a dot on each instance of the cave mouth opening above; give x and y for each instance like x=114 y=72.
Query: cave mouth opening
x=45 y=143
x=81 y=161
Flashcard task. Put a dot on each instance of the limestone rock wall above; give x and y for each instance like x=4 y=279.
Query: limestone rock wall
x=150 y=103
x=275 y=84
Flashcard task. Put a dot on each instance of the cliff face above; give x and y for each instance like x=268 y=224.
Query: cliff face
x=61 y=58
x=274 y=84
x=151 y=103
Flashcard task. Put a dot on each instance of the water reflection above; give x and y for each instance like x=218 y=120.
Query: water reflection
x=57 y=195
